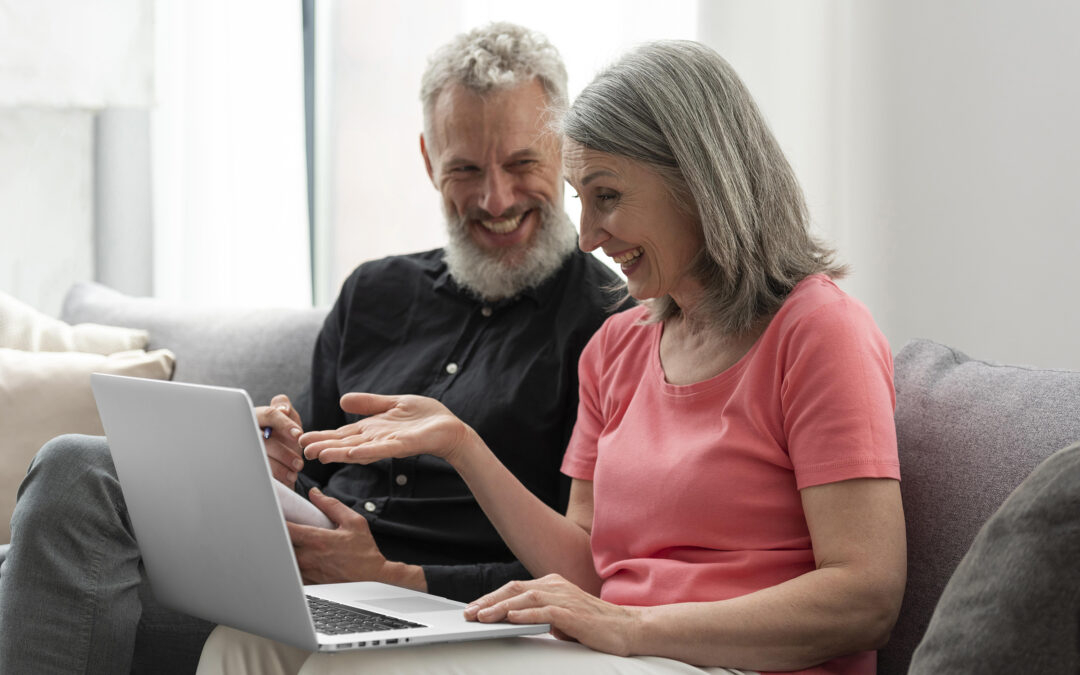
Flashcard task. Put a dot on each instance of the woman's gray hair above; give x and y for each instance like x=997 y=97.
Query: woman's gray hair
x=497 y=56
x=680 y=109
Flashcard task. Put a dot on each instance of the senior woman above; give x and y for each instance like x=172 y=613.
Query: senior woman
x=735 y=500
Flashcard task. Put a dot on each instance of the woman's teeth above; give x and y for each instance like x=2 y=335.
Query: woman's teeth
x=503 y=226
x=629 y=256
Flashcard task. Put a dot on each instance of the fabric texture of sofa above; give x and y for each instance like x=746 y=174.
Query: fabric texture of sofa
x=969 y=431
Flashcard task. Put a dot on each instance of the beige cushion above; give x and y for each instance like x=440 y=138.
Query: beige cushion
x=23 y=327
x=45 y=394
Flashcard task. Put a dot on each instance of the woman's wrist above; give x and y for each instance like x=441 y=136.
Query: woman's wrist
x=460 y=453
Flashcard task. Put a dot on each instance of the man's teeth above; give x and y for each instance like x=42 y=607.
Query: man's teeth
x=624 y=258
x=503 y=226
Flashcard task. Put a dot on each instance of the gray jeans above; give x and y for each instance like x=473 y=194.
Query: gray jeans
x=73 y=594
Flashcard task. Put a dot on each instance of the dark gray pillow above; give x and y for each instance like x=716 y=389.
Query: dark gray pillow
x=969 y=432
x=1011 y=606
x=265 y=351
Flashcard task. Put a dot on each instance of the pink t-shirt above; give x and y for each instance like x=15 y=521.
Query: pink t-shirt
x=696 y=487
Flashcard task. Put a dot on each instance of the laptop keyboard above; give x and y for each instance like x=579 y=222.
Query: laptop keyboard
x=332 y=618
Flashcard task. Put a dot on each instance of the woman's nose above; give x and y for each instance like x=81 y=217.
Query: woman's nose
x=591 y=235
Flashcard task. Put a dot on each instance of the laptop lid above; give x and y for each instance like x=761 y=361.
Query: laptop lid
x=201 y=502
x=203 y=505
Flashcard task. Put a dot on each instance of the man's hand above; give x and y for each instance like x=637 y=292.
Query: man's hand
x=347 y=553
x=282 y=448
x=395 y=426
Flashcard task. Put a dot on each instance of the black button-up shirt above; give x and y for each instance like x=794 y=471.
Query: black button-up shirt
x=402 y=325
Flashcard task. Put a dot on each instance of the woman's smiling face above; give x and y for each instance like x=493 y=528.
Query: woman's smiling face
x=628 y=211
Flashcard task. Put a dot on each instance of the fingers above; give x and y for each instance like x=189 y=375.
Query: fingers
x=356 y=451
x=284 y=463
x=283 y=426
x=367 y=404
x=282 y=447
x=282 y=402
x=340 y=514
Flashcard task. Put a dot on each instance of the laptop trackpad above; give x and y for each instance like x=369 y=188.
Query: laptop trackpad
x=419 y=603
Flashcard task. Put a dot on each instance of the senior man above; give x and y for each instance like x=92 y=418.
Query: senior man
x=492 y=325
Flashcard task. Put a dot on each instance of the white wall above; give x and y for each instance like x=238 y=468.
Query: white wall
x=60 y=60
x=938 y=145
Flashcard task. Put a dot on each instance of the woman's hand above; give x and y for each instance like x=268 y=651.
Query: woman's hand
x=572 y=613
x=396 y=426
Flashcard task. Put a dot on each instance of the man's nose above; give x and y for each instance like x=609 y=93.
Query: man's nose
x=498 y=195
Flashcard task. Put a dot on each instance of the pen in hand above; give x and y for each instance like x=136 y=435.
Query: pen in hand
x=266 y=431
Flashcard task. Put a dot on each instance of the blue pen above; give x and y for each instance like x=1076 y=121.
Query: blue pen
x=267 y=431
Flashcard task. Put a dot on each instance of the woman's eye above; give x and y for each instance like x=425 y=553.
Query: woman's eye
x=606 y=197
x=575 y=196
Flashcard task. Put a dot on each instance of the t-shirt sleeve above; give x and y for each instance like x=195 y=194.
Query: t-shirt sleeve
x=580 y=458
x=837 y=397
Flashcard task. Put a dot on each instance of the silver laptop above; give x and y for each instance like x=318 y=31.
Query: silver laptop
x=203 y=506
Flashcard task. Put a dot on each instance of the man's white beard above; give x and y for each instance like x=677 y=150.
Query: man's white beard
x=490 y=275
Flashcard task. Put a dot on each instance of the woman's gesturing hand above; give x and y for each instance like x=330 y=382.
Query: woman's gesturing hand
x=573 y=613
x=395 y=426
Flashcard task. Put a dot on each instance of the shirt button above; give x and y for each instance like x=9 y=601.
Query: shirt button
x=486 y=311
x=369 y=507
x=401 y=479
x=451 y=368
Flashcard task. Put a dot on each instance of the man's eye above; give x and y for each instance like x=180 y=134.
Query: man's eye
x=464 y=169
x=576 y=196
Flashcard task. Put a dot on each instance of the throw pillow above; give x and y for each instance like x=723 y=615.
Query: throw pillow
x=23 y=327
x=45 y=394
x=1012 y=605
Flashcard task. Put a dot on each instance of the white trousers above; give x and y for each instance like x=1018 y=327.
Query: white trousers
x=233 y=652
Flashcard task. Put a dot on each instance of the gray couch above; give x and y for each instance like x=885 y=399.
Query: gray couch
x=969 y=431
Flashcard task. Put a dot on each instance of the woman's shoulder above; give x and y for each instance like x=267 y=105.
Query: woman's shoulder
x=819 y=294
x=817 y=306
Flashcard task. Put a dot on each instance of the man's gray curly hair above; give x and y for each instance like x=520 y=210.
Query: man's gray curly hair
x=496 y=56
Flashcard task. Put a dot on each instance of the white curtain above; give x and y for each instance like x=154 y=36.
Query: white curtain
x=228 y=157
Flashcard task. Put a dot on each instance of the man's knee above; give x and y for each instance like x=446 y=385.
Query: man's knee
x=73 y=454
x=68 y=469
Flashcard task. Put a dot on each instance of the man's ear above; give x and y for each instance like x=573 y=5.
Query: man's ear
x=427 y=160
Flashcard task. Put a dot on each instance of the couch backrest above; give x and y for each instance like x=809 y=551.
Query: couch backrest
x=969 y=432
x=265 y=351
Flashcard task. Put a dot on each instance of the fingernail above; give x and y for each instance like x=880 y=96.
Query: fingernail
x=291 y=476
x=316 y=491
x=298 y=464
x=283 y=408
x=295 y=432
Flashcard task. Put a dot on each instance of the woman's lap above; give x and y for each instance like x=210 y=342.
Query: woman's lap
x=231 y=651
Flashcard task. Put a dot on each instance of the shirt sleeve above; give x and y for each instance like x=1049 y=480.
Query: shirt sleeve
x=837 y=397
x=466 y=583
x=580 y=458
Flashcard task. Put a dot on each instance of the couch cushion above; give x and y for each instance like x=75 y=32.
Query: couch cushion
x=969 y=432
x=265 y=351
